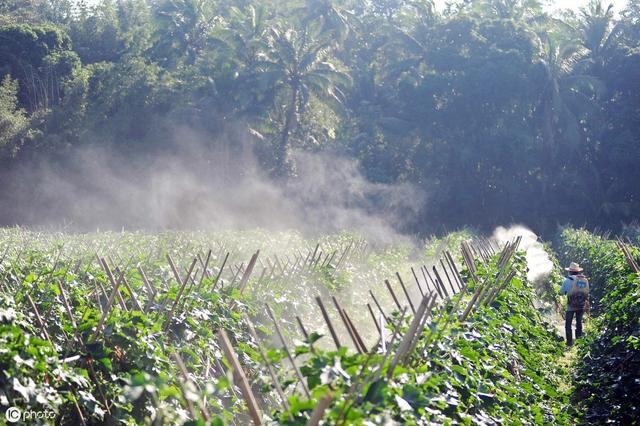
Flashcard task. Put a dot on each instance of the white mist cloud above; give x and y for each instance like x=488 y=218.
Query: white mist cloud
x=537 y=258
x=200 y=185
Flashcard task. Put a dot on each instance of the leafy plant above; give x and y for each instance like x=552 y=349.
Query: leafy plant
x=608 y=370
x=497 y=367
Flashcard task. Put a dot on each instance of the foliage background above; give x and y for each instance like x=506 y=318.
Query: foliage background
x=498 y=110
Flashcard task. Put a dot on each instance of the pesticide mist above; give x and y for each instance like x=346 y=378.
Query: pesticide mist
x=538 y=262
x=193 y=186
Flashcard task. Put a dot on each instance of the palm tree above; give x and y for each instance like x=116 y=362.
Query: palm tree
x=414 y=44
x=239 y=47
x=566 y=97
x=566 y=94
x=331 y=17
x=517 y=10
x=185 y=25
x=599 y=34
x=246 y=33
x=297 y=67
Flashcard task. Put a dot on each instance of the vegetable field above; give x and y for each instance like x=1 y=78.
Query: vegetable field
x=608 y=372
x=273 y=328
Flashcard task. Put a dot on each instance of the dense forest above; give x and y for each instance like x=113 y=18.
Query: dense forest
x=497 y=109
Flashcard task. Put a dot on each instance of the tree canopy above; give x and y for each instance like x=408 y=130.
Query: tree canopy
x=498 y=110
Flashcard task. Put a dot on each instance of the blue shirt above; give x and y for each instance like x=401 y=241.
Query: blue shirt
x=566 y=285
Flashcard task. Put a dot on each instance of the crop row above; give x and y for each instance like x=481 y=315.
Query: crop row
x=607 y=388
x=122 y=327
x=482 y=356
x=149 y=329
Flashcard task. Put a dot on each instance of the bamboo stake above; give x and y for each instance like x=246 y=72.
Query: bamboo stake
x=344 y=254
x=324 y=262
x=305 y=334
x=130 y=290
x=406 y=293
x=182 y=285
x=98 y=301
x=450 y=315
x=628 y=255
x=433 y=282
x=393 y=295
x=272 y=267
x=355 y=331
x=92 y=372
x=248 y=271
x=304 y=263
x=222 y=371
x=286 y=351
x=354 y=390
x=382 y=340
x=313 y=256
x=475 y=296
x=186 y=379
x=423 y=268
x=39 y=319
x=467 y=256
x=240 y=377
x=110 y=259
x=146 y=282
x=303 y=329
x=107 y=309
x=79 y=411
x=495 y=294
x=224 y=262
x=67 y=306
x=328 y=321
x=444 y=268
x=278 y=264
x=418 y=334
x=318 y=412
x=75 y=272
x=287 y=264
x=374 y=317
x=235 y=276
x=440 y=282
x=294 y=268
x=378 y=305
x=408 y=337
x=456 y=273
x=265 y=359
x=413 y=271
x=315 y=263
x=331 y=258
x=109 y=275
x=346 y=324
x=205 y=265
x=185 y=303
x=395 y=335
x=490 y=285
x=264 y=271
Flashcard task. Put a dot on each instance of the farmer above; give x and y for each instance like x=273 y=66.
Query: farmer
x=576 y=287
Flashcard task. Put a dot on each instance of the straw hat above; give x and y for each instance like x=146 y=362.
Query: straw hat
x=574 y=267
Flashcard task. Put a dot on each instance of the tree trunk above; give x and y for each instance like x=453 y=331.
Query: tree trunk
x=283 y=149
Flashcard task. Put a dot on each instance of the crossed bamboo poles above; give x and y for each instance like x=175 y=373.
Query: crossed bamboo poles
x=435 y=285
x=194 y=277
x=436 y=290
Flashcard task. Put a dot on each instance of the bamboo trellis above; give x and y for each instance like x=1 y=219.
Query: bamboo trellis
x=419 y=295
